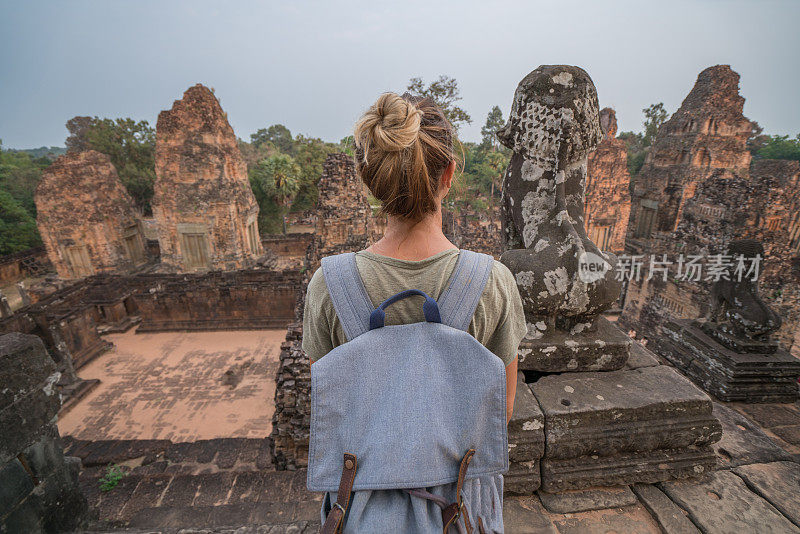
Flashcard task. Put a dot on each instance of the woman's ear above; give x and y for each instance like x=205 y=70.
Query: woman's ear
x=447 y=176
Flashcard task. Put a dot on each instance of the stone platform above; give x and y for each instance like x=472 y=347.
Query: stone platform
x=525 y=442
x=644 y=423
x=603 y=348
x=728 y=375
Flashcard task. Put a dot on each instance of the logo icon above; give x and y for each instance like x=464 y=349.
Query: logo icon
x=592 y=267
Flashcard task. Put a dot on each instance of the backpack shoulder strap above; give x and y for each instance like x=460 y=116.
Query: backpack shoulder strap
x=347 y=291
x=458 y=301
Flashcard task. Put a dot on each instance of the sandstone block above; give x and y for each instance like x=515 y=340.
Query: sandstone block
x=626 y=468
x=606 y=348
x=623 y=411
x=728 y=375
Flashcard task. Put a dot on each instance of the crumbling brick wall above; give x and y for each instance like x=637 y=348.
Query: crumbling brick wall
x=473 y=230
x=344 y=220
x=86 y=217
x=608 y=200
x=205 y=210
x=31 y=262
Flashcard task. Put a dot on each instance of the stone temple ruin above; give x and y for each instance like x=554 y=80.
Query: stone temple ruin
x=344 y=219
x=698 y=193
x=206 y=213
x=608 y=200
x=606 y=434
x=86 y=218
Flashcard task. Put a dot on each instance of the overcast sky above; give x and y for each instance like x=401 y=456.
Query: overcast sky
x=315 y=66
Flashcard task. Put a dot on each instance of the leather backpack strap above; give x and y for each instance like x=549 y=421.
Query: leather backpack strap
x=452 y=512
x=334 y=521
x=459 y=299
x=347 y=291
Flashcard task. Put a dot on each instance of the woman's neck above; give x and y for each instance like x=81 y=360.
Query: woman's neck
x=412 y=240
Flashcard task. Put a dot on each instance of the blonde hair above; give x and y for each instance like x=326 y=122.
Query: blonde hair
x=403 y=144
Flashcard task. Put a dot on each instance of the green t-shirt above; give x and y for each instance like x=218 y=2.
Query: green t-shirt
x=498 y=322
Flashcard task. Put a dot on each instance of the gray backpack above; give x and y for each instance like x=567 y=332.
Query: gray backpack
x=408 y=422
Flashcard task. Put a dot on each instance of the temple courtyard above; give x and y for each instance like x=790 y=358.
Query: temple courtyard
x=179 y=386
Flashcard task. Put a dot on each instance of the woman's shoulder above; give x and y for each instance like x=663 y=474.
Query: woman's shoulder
x=500 y=276
x=317 y=288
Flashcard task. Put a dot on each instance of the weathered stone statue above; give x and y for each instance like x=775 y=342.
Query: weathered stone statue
x=632 y=421
x=731 y=354
x=564 y=279
x=738 y=317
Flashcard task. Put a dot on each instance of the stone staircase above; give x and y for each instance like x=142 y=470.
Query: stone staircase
x=203 y=485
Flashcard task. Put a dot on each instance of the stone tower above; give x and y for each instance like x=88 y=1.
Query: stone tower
x=344 y=216
x=608 y=200
x=206 y=213
x=86 y=217
x=707 y=135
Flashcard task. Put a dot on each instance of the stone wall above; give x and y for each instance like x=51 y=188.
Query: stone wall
x=474 y=230
x=205 y=210
x=291 y=250
x=31 y=262
x=86 y=217
x=39 y=490
x=236 y=300
x=66 y=321
x=608 y=200
x=292 y=419
x=71 y=319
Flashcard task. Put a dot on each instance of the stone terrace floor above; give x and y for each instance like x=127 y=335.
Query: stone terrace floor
x=229 y=485
x=180 y=481
x=174 y=386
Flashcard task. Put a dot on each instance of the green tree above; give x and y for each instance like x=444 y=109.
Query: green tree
x=276 y=179
x=654 y=116
x=310 y=155
x=17 y=228
x=494 y=121
x=20 y=173
x=129 y=144
x=780 y=147
x=347 y=145
x=757 y=139
x=277 y=134
x=445 y=92
x=634 y=143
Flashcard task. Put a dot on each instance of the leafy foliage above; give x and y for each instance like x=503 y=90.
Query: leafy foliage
x=483 y=173
x=279 y=135
x=494 y=121
x=654 y=116
x=112 y=476
x=17 y=228
x=275 y=180
x=284 y=172
x=638 y=143
x=779 y=147
x=19 y=175
x=445 y=92
x=129 y=144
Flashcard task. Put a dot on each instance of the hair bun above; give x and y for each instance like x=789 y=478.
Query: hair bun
x=396 y=122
